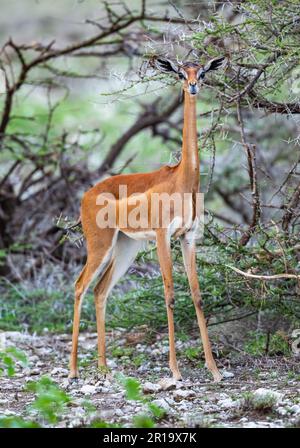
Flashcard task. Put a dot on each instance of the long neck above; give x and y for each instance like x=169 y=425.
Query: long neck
x=190 y=158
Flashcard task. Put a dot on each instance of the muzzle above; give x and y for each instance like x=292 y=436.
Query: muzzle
x=193 y=88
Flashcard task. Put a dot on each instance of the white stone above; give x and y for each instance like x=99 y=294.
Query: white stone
x=281 y=411
x=150 y=388
x=9 y=412
x=228 y=403
x=105 y=390
x=295 y=409
x=167 y=383
x=2 y=339
x=35 y=372
x=143 y=368
x=59 y=371
x=161 y=403
x=227 y=374
x=111 y=364
x=88 y=389
x=183 y=394
x=243 y=419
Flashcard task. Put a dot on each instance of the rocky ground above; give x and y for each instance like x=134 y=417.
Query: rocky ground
x=255 y=392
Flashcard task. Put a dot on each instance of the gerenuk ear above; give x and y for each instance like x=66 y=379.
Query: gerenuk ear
x=214 y=64
x=166 y=65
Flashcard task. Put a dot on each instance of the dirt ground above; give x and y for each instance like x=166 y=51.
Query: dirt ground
x=194 y=402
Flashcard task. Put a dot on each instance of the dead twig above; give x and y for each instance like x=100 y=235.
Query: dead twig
x=263 y=277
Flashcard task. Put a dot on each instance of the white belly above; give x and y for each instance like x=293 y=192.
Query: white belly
x=142 y=235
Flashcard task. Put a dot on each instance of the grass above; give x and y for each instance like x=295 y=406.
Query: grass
x=47 y=304
x=258 y=344
x=264 y=403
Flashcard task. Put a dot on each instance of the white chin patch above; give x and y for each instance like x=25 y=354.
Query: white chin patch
x=193 y=90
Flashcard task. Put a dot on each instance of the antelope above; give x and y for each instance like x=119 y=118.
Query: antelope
x=112 y=249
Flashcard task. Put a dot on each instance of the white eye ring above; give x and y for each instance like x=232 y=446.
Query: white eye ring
x=201 y=73
x=182 y=74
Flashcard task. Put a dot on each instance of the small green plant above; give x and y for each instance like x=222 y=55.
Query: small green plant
x=139 y=360
x=17 y=422
x=50 y=400
x=263 y=402
x=119 y=352
x=8 y=359
x=193 y=353
x=133 y=391
x=132 y=388
x=143 y=421
x=259 y=344
x=103 y=424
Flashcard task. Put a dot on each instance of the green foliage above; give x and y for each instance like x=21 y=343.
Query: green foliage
x=119 y=352
x=17 y=422
x=139 y=360
x=36 y=309
x=133 y=392
x=156 y=411
x=103 y=424
x=143 y=421
x=193 y=353
x=226 y=294
x=8 y=359
x=258 y=344
x=262 y=403
x=50 y=400
x=132 y=388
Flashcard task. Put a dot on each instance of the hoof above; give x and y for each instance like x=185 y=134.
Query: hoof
x=177 y=376
x=217 y=377
x=73 y=377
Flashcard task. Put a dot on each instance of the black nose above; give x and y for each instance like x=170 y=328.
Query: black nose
x=193 y=88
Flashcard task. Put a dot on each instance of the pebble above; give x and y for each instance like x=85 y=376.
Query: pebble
x=162 y=403
x=282 y=411
x=295 y=409
x=34 y=372
x=167 y=383
x=243 y=419
x=228 y=403
x=88 y=389
x=143 y=368
x=227 y=374
x=112 y=364
x=59 y=371
x=183 y=394
x=150 y=388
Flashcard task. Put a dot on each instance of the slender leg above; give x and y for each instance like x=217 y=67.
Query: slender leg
x=98 y=257
x=124 y=253
x=81 y=286
x=101 y=292
x=189 y=257
x=165 y=261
